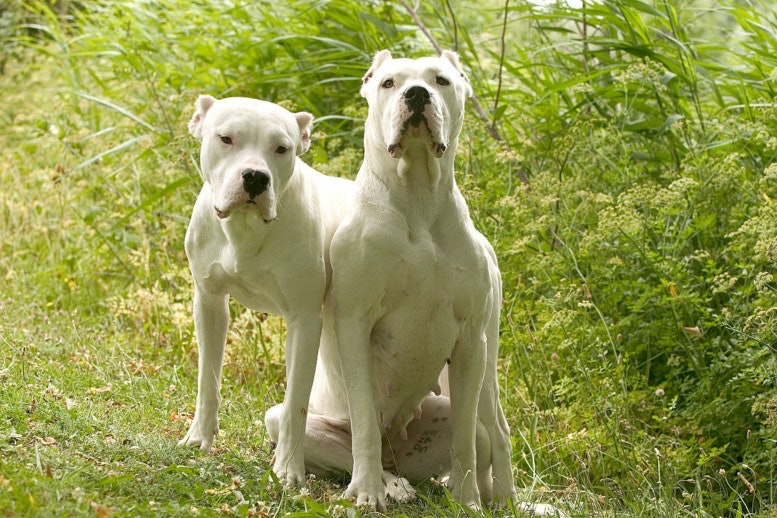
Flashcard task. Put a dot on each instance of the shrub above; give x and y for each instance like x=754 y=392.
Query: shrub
x=623 y=164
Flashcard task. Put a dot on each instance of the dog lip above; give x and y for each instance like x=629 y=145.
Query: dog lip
x=416 y=119
x=220 y=213
x=395 y=150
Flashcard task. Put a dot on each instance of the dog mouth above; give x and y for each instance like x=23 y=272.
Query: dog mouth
x=397 y=150
x=416 y=127
x=415 y=120
x=224 y=214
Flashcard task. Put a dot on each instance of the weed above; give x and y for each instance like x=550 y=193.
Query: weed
x=621 y=159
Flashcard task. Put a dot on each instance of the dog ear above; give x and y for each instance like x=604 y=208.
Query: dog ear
x=203 y=104
x=453 y=59
x=380 y=58
x=304 y=119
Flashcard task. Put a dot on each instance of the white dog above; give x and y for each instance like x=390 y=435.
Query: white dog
x=415 y=287
x=260 y=232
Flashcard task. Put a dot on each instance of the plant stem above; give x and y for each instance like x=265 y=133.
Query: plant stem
x=491 y=128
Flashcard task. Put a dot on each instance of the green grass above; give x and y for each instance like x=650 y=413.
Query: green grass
x=631 y=200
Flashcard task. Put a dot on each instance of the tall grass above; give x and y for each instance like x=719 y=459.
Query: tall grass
x=641 y=259
x=621 y=160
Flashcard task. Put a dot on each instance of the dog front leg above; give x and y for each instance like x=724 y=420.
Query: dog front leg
x=301 y=353
x=466 y=372
x=211 y=319
x=491 y=415
x=367 y=485
x=500 y=455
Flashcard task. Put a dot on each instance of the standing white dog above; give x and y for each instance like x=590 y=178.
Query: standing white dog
x=260 y=232
x=415 y=286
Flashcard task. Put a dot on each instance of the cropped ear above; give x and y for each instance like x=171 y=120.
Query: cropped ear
x=304 y=120
x=202 y=105
x=453 y=59
x=380 y=58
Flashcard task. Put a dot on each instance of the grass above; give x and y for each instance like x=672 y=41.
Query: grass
x=98 y=358
x=630 y=197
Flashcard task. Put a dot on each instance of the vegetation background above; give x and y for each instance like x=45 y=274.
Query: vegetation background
x=621 y=158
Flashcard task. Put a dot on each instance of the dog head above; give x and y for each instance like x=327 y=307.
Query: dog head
x=248 y=152
x=415 y=101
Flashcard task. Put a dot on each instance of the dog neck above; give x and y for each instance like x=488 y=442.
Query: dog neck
x=419 y=185
x=417 y=169
x=245 y=231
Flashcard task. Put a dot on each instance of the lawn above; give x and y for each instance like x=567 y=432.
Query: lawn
x=619 y=155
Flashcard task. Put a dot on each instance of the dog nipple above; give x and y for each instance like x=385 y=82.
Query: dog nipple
x=400 y=423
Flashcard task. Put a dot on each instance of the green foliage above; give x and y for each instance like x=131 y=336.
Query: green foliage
x=631 y=200
x=638 y=256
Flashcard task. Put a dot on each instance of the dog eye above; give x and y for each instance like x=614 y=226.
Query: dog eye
x=226 y=140
x=442 y=81
x=281 y=150
x=388 y=83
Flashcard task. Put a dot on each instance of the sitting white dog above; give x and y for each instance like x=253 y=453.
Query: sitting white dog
x=415 y=287
x=260 y=232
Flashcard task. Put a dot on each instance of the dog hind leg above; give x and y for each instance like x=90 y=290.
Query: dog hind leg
x=328 y=450
x=425 y=450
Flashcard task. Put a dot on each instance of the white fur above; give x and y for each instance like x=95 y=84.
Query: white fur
x=269 y=253
x=415 y=286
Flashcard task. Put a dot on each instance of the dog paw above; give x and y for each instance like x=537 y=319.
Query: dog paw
x=503 y=493
x=367 y=494
x=290 y=473
x=398 y=489
x=465 y=490
x=200 y=436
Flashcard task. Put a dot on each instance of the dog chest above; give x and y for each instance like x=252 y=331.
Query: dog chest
x=271 y=290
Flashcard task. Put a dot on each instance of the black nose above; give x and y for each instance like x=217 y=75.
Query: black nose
x=416 y=97
x=255 y=182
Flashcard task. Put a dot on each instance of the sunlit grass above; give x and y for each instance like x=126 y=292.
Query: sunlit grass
x=631 y=205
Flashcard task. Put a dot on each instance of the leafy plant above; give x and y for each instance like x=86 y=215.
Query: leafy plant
x=620 y=156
